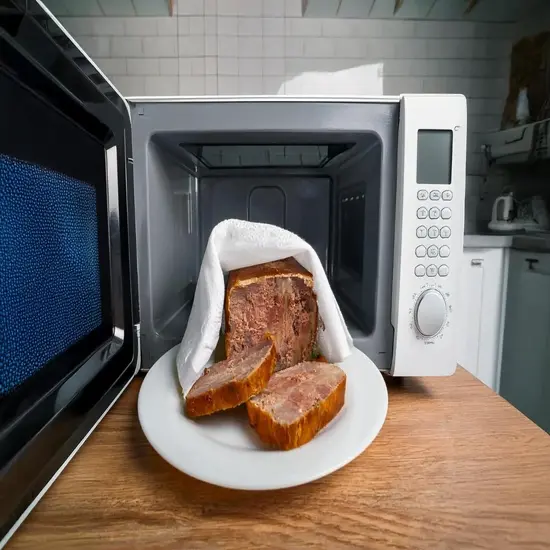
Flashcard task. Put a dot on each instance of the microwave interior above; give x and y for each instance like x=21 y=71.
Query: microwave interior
x=335 y=189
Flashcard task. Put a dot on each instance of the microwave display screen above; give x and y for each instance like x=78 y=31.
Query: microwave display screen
x=434 y=157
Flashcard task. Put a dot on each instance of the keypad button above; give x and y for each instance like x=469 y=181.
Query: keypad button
x=434 y=213
x=443 y=270
x=422 y=195
x=422 y=213
x=433 y=232
x=446 y=213
x=435 y=195
x=420 y=251
x=447 y=195
x=420 y=271
x=444 y=251
x=445 y=232
x=433 y=251
x=421 y=232
x=431 y=270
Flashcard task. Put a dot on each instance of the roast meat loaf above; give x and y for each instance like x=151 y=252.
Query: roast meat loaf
x=232 y=382
x=275 y=298
x=297 y=403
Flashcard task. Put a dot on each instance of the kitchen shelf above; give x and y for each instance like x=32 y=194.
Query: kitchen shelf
x=522 y=144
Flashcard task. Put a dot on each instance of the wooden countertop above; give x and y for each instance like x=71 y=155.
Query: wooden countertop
x=454 y=466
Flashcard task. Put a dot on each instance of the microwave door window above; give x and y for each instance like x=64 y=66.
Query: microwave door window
x=55 y=290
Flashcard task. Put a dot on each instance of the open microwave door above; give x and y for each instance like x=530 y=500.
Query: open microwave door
x=69 y=320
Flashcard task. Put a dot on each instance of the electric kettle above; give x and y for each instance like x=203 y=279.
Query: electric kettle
x=504 y=214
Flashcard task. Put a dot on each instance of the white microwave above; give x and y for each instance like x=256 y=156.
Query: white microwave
x=106 y=205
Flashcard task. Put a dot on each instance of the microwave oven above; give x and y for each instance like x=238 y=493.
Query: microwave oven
x=106 y=205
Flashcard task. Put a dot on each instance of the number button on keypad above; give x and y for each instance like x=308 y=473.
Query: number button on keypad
x=422 y=195
x=434 y=213
x=433 y=232
x=422 y=213
x=445 y=232
x=421 y=232
x=435 y=195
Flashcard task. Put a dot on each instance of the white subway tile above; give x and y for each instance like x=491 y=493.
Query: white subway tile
x=167 y=26
x=168 y=66
x=108 y=26
x=184 y=65
x=274 y=66
x=160 y=46
x=210 y=45
x=197 y=65
x=196 y=26
x=273 y=26
x=294 y=47
x=273 y=46
x=191 y=85
x=293 y=8
x=273 y=85
x=250 y=67
x=381 y=48
x=303 y=27
x=350 y=47
x=228 y=85
x=319 y=47
x=126 y=47
x=137 y=67
x=250 y=26
x=337 y=27
x=112 y=66
x=211 y=24
x=410 y=48
x=211 y=85
x=97 y=46
x=228 y=7
x=140 y=26
x=130 y=85
x=183 y=26
x=228 y=46
x=191 y=46
x=211 y=65
x=395 y=85
x=211 y=7
x=228 y=66
x=250 y=46
x=296 y=66
x=273 y=8
x=251 y=85
x=228 y=26
x=191 y=7
x=250 y=8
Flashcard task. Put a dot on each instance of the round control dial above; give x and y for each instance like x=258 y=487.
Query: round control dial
x=430 y=313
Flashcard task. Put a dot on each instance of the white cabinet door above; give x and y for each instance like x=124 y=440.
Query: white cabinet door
x=526 y=350
x=482 y=300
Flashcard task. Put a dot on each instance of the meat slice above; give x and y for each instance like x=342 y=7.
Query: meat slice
x=230 y=383
x=277 y=298
x=297 y=403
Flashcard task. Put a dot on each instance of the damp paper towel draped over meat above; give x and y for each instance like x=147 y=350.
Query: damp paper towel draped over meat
x=234 y=244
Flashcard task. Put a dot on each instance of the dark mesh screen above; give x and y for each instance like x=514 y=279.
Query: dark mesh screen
x=50 y=294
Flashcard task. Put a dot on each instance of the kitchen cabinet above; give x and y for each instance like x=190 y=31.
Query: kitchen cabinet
x=525 y=379
x=481 y=312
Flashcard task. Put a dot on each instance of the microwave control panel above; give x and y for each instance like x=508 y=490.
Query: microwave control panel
x=429 y=234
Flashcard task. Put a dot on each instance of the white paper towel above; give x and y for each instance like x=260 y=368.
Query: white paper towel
x=234 y=244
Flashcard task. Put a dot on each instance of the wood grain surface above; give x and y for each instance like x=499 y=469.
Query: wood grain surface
x=454 y=466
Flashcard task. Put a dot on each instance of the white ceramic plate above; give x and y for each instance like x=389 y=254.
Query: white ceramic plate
x=222 y=449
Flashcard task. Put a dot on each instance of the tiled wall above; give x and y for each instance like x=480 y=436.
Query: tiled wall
x=266 y=47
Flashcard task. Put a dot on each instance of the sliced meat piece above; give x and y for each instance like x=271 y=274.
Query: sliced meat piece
x=297 y=403
x=277 y=298
x=230 y=383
